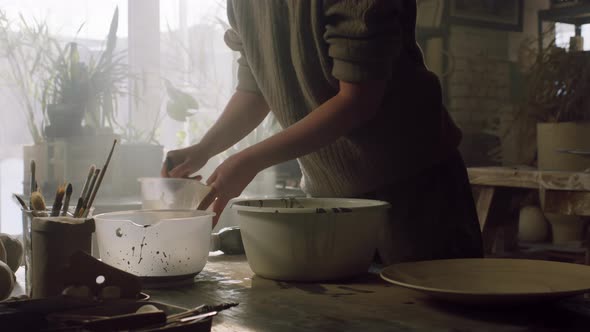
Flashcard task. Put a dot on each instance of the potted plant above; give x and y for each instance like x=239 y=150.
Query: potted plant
x=79 y=91
x=66 y=94
x=556 y=99
x=25 y=48
x=66 y=91
x=70 y=95
x=57 y=89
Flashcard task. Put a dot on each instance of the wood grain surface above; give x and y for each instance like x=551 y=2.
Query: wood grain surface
x=529 y=178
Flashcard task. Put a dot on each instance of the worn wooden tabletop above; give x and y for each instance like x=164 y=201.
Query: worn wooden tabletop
x=530 y=178
x=363 y=304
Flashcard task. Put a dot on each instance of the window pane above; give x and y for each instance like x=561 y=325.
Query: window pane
x=563 y=33
x=586 y=35
x=195 y=58
x=194 y=12
x=66 y=16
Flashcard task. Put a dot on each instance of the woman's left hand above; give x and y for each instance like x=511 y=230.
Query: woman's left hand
x=228 y=181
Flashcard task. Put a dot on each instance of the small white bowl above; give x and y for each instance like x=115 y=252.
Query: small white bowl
x=171 y=193
x=310 y=239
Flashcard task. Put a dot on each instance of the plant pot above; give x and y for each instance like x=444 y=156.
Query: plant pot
x=65 y=120
x=566 y=229
x=552 y=137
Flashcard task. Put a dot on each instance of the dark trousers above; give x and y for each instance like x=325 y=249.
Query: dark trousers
x=432 y=216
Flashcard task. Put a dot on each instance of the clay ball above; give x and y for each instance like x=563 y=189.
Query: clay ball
x=110 y=292
x=2 y=253
x=6 y=281
x=147 y=308
x=77 y=291
x=14 y=251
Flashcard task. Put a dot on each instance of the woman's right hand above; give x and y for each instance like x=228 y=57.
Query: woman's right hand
x=184 y=162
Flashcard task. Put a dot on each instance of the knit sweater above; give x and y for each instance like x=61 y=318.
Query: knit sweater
x=295 y=52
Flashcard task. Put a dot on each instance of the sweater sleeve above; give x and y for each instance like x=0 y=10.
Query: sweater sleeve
x=246 y=81
x=364 y=38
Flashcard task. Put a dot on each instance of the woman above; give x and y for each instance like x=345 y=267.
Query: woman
x=360 y=111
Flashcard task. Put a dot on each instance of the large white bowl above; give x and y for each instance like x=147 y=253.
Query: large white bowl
x=310 y=239
x=156 y=243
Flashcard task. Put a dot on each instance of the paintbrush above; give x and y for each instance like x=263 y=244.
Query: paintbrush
x=202 y=309
x=21 y=202
x=66 y=206
x=88 y=178
x=59 y=196
x=33 y=181
x=97 y=186
x=79 y=206
x=37 y=202
x=86 y=197
x=80 y=203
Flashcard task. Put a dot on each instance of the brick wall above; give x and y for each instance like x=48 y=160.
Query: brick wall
x=481 y=88
x=479 y=85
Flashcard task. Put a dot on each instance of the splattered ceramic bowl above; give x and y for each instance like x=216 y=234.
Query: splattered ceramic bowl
x=167 y=244
x=310 y=239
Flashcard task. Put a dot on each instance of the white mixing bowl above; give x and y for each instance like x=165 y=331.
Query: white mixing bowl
x=310 y=239
x=155 y=243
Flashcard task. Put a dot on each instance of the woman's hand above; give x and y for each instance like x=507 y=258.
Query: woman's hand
x=184 y=162
x=228 y=181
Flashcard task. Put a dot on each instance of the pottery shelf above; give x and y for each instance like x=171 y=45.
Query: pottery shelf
x=499 y=193
x=548 y=251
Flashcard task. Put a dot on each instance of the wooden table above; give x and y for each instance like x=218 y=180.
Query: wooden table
x=364 y=304
x=501 y=191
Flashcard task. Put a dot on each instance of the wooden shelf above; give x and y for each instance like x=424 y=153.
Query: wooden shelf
x=578 y=14
x=577 y=248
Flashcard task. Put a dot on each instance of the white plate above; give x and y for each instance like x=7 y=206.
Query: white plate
x=491 y=281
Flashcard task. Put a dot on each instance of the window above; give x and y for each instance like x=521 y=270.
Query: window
x=85 y=20
x=192 y=55
x=563 y=33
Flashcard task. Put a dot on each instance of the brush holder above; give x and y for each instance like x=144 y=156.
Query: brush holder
x=54 y=241
x=27 y=222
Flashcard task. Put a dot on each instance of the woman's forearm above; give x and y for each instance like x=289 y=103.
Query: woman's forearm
x=243 y=113
x=350 y=108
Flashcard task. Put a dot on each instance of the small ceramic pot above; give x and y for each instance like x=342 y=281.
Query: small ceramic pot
x=565 y=229
x=532 y=225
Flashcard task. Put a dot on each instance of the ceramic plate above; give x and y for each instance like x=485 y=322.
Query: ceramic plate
x=576 y=152
x=491 y=281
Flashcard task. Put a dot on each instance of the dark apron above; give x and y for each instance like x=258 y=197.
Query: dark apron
x=432 y=216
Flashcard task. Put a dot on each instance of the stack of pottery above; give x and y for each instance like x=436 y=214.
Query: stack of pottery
x=551 y=139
